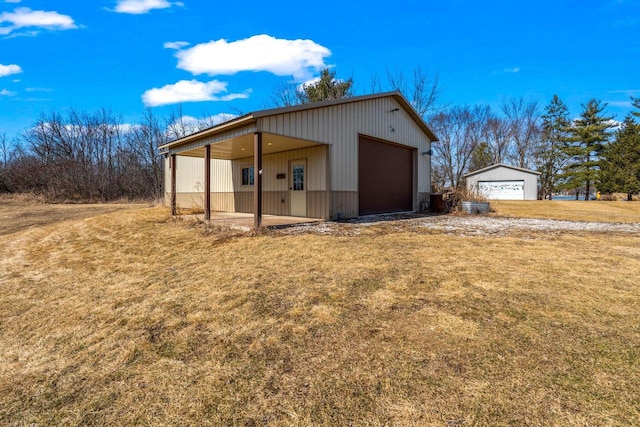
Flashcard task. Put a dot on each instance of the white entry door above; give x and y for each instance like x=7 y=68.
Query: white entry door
x=298 y=187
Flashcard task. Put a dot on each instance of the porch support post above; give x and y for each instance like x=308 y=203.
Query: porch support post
x=257 y=178
x=172 y=164
x=328 y=198
x=207 y=182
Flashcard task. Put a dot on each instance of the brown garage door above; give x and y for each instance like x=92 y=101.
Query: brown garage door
x=385 y=177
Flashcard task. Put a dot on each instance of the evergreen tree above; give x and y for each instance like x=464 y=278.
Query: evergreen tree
x=326 y=88
x=620 y=168
x=636 y=103
x=481 y=157
x=551 y=156
x=589 y=134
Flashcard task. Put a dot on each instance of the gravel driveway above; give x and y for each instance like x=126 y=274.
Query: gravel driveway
x=462 y=225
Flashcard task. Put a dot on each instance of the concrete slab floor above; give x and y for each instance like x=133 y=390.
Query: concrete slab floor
x=244 y=221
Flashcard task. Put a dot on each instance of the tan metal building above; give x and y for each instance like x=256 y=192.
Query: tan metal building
x=504 y=182
x=333 y=159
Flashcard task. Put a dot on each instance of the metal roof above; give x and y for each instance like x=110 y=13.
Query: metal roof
x=500 y=165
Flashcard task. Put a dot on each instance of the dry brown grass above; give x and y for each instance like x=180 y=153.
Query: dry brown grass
x=37 y=213
x=572 y=210
x=130 y=318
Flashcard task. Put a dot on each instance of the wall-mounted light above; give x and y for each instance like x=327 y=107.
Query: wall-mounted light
x=394 y=110
x=426 y=153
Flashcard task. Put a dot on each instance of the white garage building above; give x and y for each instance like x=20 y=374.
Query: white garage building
x=504 y=182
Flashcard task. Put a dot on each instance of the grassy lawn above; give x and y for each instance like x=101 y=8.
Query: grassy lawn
x=573 y=210
x=129 y=317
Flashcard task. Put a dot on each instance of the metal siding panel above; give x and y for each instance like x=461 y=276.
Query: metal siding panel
x=531 y=187
x=344 y=203
x=189 y=174
x=221 y=176
x=167 y=176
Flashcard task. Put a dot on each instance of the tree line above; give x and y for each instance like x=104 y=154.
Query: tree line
x=95 y=156
x=578 y=156
x=84 y=156
x=571 y=155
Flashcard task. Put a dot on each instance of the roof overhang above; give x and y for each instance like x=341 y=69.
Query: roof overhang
x=242 y=146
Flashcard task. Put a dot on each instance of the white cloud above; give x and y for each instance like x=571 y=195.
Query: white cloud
x=626 y=91
x=512 y=70
x=5 y=92
x=23 y=17
x=7 y=70
x=189 y=91
x=299 y=58
x=38 y=89
x=175 y=45
x=138 y=7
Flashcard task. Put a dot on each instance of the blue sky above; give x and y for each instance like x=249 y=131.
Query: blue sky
x=214 y=57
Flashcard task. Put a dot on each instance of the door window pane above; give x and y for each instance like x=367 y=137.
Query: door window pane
x=298 y=178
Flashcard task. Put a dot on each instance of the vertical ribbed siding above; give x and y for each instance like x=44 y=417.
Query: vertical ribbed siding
x=227 y=175
x=190 y=175
x=278 y=163
x=221 y=176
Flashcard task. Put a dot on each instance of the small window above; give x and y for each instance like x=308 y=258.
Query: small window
x=247 y=176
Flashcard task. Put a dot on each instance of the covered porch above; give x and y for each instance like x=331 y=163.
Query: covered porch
x=246 y=149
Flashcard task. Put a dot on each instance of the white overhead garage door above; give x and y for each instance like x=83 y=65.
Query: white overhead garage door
x=502 y=190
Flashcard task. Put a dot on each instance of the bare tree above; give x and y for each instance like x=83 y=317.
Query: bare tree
x=4 y=162
x=524 y=128
x=209 y=121
x=422 y=90
x=178 y=126
x=498 y=138
x=460 y=129
x=285 y=94
x=143 y=141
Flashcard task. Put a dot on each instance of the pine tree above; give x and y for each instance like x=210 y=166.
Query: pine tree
x=636 y=103
x=551 y=156
x=481 y=157
x=589 y=134
x=326 y=88
x=620 y=168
